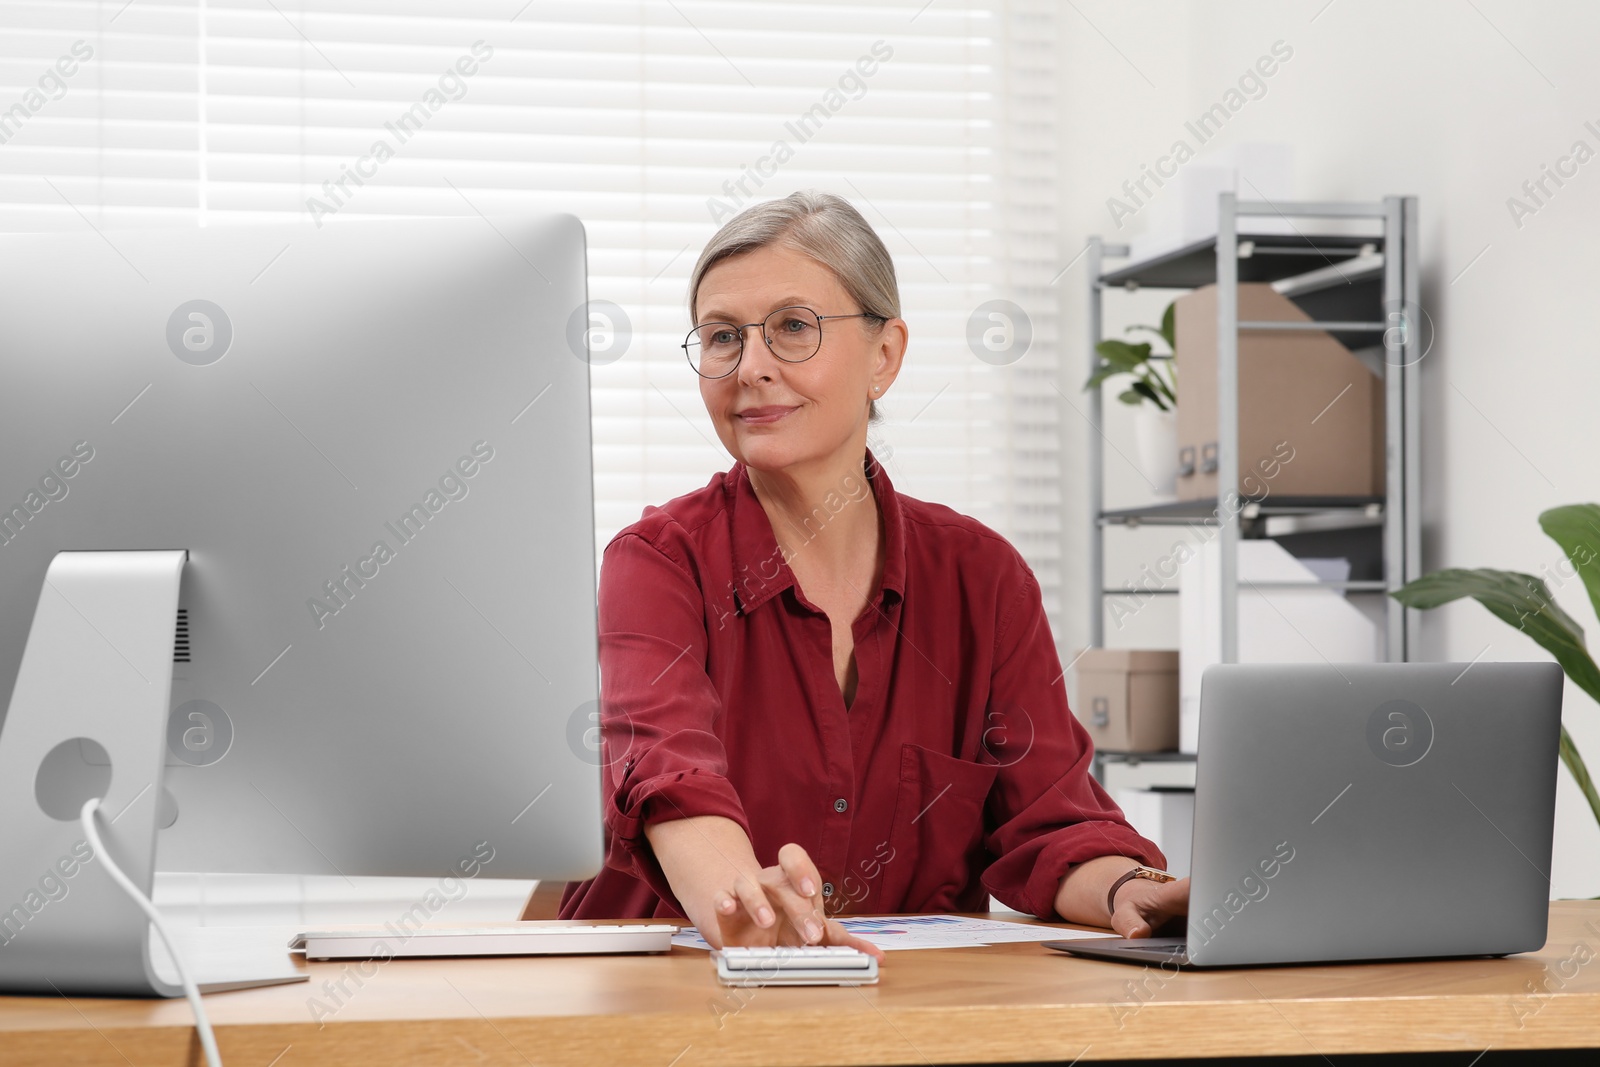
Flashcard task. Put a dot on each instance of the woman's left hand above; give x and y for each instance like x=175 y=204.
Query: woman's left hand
x=1151 y=909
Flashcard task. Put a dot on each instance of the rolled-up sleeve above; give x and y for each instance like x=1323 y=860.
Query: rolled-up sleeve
x=1045 y=811
x=658 y=707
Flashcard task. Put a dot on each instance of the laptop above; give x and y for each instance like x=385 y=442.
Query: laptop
x=1376 y=811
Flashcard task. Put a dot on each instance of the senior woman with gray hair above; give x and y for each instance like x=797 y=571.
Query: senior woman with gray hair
x=821 y=696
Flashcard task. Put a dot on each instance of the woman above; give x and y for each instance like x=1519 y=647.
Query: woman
x=819 y=695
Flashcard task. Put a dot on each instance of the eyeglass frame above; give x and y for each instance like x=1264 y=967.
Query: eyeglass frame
x=764 y=338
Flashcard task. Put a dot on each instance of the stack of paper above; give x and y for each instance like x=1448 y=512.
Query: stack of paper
x=932 y=931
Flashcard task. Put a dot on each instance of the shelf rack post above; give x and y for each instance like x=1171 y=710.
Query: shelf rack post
x=1228 y=508
x=1411 y=440
x=1096 y=487
x=1396 y=316
x=1403 y=342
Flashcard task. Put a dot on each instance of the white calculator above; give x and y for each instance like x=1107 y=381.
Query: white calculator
x=750 y=965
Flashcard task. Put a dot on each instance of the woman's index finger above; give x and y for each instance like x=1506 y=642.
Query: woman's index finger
x=799 y=868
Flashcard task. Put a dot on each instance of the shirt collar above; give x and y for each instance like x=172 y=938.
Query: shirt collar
x=894 y=530
x=759 y=569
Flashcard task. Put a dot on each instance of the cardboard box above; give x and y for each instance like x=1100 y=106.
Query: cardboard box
x=1128 y=698
x=1310 y=412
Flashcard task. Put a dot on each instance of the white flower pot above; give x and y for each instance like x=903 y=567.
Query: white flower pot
x=1155 y=435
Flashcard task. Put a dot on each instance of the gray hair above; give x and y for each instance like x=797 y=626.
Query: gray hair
x=829 y=230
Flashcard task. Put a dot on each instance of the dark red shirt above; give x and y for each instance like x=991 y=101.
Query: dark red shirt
x=957 y=771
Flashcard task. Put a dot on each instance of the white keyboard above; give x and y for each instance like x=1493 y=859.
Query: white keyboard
x=489 y=939
x=749 y=965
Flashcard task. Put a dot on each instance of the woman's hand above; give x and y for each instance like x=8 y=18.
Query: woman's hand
x=1150 y=909
x=782 y=908
x=732 y=900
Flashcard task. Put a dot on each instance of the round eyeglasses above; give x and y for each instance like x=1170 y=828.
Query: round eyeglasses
x=793 y=334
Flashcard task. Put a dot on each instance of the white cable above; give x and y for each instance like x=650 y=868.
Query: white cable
x=208 y=1040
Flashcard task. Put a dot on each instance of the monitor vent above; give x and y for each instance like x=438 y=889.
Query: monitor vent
x=180 y=645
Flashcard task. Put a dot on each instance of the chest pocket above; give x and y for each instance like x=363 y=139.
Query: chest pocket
x=937 y=833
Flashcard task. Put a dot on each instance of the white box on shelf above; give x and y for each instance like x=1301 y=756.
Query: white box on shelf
x=1275 y=625
x=1185 y=209
x=1165 y=816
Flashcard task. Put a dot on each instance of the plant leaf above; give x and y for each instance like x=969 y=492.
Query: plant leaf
x=1580 y=772
x=1152 y=377
x=1576 y=528
x=1165 y=331
x=1138 y=391
x=1153 y=382
x=1519 y=600
x=1172 y=379
x=1147 y=329
x=1105 y=371
x=1123 y=355
x=1522 y=601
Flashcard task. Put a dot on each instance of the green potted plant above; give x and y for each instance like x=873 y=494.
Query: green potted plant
x=1524 y=601
x=1154 y=393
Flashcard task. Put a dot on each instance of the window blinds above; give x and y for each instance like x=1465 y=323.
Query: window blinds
x=653 y=122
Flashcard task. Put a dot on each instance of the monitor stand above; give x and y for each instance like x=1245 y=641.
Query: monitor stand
x=88 y=718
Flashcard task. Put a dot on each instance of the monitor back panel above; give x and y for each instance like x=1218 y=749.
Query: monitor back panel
x=374 y=443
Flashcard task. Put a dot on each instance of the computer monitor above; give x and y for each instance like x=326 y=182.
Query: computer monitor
x=365 y=450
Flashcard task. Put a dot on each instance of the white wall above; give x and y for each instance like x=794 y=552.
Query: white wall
x=1458 y=105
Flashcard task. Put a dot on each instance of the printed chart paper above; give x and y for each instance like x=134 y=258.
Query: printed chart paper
x=930 y=931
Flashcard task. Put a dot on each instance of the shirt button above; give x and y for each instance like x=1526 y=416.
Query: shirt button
x=827 y=889
x=840 y=805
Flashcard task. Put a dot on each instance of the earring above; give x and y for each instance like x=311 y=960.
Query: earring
x=877 y=388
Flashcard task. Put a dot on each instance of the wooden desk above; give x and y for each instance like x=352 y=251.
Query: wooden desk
x=1003 y=1003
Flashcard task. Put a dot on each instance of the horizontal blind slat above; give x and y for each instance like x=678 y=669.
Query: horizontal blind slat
x=651 y=122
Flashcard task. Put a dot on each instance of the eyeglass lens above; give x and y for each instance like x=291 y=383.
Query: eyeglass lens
x=793 y=334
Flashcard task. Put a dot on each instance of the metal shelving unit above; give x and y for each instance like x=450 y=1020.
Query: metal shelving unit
x=1363 y=290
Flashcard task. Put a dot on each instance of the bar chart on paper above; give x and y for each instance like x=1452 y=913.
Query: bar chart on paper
x=930 y=931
